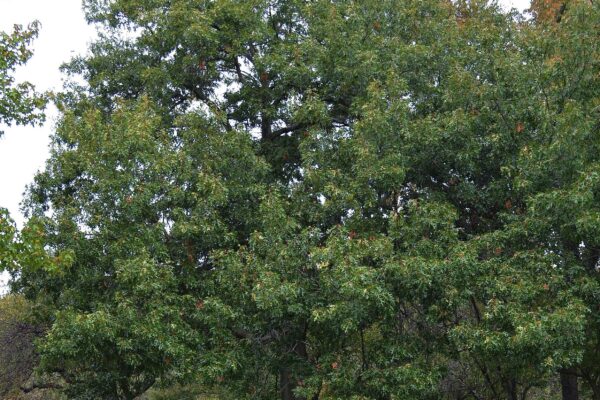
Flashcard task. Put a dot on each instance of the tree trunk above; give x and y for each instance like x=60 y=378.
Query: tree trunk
x=595 y=391
x=568 y=382
x=286 y=385
x=510 y=387
x=287 y=381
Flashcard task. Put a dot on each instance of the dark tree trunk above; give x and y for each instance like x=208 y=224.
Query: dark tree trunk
x=568 y=382
x=510 y=387
x=286 y=385
x=287 y=380
x=595 y=389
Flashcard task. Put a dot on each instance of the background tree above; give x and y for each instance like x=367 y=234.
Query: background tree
x=20 y=325
x=20 y=104
x=17 y=333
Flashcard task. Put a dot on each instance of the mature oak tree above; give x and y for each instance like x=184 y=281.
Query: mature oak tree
x=325 y=199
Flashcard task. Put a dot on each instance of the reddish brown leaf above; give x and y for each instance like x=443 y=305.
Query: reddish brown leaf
x=520 y=127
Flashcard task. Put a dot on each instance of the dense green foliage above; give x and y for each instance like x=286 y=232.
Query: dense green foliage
x=375 y=199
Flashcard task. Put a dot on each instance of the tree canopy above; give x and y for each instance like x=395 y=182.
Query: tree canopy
x=375 y=199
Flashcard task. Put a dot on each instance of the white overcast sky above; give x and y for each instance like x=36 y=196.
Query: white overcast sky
x=63 y=33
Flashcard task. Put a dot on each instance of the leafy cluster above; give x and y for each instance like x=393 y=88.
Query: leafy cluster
x=375 y=199
x=19 y=103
